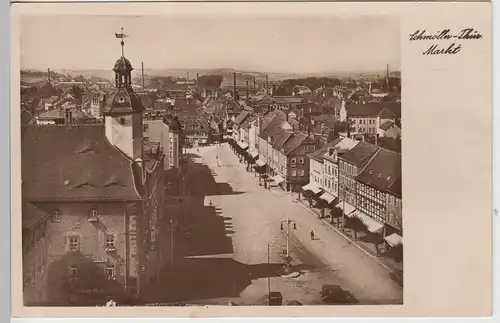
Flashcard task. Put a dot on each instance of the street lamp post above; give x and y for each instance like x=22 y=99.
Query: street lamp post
x=269 y=267
x=288 y=222
x=172 y=247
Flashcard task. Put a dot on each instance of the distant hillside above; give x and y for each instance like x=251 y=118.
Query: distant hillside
x=227 y=73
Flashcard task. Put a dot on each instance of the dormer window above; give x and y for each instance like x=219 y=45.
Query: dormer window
x=122 y=121
x=56 y=216
x=93 y=215
x=110 y=243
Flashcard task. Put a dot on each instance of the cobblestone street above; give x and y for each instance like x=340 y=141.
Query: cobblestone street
x=232 y=219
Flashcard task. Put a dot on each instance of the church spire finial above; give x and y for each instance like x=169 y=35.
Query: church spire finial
x=122 y=36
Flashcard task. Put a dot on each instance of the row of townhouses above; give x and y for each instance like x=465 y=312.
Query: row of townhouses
x=361 y=178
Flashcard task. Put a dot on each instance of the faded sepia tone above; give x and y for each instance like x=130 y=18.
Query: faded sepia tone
x=266 y=173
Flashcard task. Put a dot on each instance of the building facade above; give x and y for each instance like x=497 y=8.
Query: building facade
x=102 y=190
x=351 y=164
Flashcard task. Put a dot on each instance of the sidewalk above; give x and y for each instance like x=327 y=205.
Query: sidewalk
x=396 y=267
x=369 y=248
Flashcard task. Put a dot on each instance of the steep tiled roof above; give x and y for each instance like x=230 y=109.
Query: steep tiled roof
x=281 y=139
x=272 y=128
x=360 y=154
x=374 y=109
x=382 y=171
x=294 y=142
x=386 y=125
x=241 y=117
x=74 y=163
x=32 y=216
x=319 y=154
x=395 y=188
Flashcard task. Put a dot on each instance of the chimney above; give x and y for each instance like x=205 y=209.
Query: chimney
x=197 y=80
x=187 y=76
x=254 y=82
x=234 y=85
x=48 y=74
x=247 y=95
x=267 y=84
x=142 y=73
x=387 y=78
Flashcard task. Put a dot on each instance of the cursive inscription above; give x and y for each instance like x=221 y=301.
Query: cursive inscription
x=452 y=48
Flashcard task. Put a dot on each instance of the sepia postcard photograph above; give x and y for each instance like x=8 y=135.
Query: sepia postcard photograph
x=193 y=161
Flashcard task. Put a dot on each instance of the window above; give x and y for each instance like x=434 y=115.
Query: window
x=93 y=215
x=146 y=127
x=56 y=216
x=74 y=242
x=110 y=242
x=306 y=149
x=397 y=203
x=293 y=161
x=110 y=271
x=73 y=271
x=294 y=172
x=301 y=172
x=301 y=160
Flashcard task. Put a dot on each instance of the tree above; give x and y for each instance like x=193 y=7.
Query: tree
x=210 y=81
x=377 y=239
x=77 y=93
x=308 y=195
x=356 y=224
x=321 y=205
x=336 y=213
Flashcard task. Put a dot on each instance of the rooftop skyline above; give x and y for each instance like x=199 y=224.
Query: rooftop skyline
x=280 y=45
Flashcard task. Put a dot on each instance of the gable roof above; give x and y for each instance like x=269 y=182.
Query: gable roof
x=360 y=154
x=395 y=189
x=374 y=109
x=74 y=162
x=242 y=116
x=280 y=139
x=32 y=216
x=294 y=142
x=382 y=171
x=386 y=125
x=272 y=128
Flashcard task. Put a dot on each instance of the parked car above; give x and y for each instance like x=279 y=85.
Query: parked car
x=335 y=294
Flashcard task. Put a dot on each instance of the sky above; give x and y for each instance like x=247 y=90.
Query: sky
x=286 y=45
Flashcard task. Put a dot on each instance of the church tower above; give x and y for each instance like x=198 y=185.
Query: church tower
x=123 y=110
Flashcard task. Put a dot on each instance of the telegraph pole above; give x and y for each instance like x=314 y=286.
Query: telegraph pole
x=142 y=71
x=269 y=267
x=172 y=247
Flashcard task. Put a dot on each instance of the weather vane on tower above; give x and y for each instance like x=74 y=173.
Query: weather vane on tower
x=121 y=36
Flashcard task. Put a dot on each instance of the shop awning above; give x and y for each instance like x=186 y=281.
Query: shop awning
x=243 y=145
x=312 y=187
x=260 y=162
x=394 y=239
x=349 y=209
x=329 y=198
x=254 y=153
x=307 y=187
x=372 y=224
x=278 y=179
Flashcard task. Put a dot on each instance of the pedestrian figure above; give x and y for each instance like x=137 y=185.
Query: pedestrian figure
x=312 y=235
